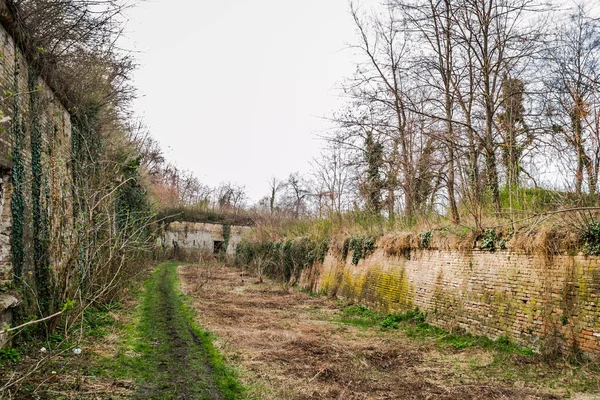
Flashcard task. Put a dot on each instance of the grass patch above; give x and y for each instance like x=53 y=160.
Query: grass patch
x=360 y=316
x=96 y=321
x=414 y=325
x=392 y=321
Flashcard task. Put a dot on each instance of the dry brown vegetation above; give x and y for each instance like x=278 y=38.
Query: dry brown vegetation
x=60 y=374
x=397 y=244
x=289 y=344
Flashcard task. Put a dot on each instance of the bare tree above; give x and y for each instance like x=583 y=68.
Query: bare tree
x=275 y=185
x=383 y=93
x=573 y=86
x=494 y=39
x=229 y=196
x=332 y=173
x=296 y=193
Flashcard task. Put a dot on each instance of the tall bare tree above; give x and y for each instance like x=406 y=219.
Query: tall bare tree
x=573 y=86
x=332 y=172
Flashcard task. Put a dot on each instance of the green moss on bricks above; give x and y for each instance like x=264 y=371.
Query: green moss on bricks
x=384 y=290
x=394 y=291
x=352 y=287
x=330 y=281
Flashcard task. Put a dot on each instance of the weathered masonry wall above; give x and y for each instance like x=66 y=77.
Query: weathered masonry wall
x=54 y=155
x=525 y=297
x=35 y=173
x=196 y=237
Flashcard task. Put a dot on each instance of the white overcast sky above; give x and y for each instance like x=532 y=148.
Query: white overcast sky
x=237 y=90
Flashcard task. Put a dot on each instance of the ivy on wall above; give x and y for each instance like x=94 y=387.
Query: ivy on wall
x=18 y=178
x=41 y=258
x=360 y=246
x=131 y=202
x=226 y=237
x=285 y=259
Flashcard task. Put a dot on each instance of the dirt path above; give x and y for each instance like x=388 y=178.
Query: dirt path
x=178 y=356
x=291 y=346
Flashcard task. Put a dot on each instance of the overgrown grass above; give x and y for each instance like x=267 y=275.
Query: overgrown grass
x=166 y=352
x=96 y=321
x=414 y=325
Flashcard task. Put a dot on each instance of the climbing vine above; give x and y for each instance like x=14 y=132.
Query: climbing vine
x=226 y=236
x=591 y=238
x=491 y=240
x=425 y=239
x=18 y=177
x=131 y=202
x=360 y=246
x=41 y=257
x=285 y=259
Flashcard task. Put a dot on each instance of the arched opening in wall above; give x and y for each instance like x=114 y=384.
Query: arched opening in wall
x=218 y=246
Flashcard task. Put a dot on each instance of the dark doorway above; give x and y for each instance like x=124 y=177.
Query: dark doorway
x=219 y=248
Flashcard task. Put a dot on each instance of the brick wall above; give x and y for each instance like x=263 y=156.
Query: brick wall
x=525 y=297
x=56 y=185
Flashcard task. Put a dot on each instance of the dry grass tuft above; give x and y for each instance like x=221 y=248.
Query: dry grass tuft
x=453 y=239
x=397 y=244
x=546 y=241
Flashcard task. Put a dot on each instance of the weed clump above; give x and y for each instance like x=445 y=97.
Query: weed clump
x=491 y=240
x=9 y=355
x=392 y=321
x=591 y=239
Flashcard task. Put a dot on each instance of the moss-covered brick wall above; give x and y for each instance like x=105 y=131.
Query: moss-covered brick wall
x=523 y=296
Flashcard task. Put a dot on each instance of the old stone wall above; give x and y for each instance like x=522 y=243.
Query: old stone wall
x=525 y=297
x=35 y=174
x=196 y=236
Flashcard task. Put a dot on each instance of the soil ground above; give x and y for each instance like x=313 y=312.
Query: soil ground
x=282 y=343
x=291 y=345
